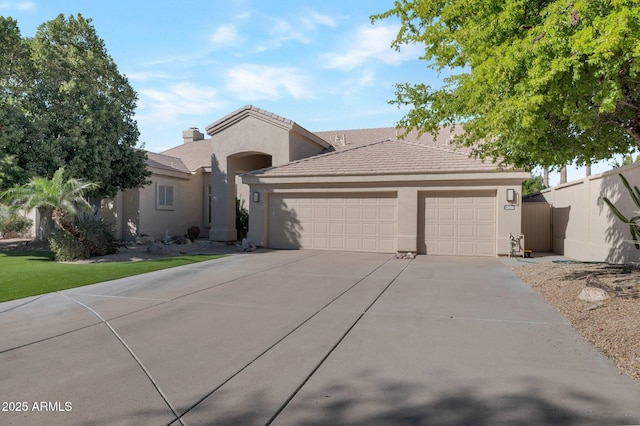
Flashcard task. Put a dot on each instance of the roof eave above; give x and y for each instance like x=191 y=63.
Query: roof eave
x=513 y=176
x=244 y=112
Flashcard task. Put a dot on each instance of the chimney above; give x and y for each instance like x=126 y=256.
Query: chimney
x=192 y=135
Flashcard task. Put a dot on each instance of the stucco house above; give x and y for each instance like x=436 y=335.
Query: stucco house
x=351 y=190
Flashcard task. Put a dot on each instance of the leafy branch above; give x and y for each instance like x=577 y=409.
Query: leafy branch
x=634 y=226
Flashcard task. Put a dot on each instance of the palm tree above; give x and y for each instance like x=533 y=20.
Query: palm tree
x=57 y=198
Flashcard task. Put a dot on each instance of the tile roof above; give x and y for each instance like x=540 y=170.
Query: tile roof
x=345 y=139
x=194 y=154
x=166 y=162
x=242 y=112
x=388 y=157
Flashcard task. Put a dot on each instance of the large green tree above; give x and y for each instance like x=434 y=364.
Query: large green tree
x=534 y=82
x=69 y=106
x=14 y=79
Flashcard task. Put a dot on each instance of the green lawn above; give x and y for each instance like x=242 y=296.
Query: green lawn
x=28 y=273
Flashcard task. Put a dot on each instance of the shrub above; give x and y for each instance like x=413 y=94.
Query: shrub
x=94 y=230
x=66 y=247
x=13 y=222
x=19 y=224
x=242 y=219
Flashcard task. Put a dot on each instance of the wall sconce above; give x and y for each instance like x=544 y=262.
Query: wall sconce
x=256 y=197
x=511 y=195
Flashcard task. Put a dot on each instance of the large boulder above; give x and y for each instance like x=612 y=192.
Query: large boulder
x=593 y=294
x=157 y=248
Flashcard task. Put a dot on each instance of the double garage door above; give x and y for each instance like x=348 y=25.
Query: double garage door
x=349 y=222
x=457 y=223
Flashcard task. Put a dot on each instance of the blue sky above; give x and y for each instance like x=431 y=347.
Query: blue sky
x=320 y=63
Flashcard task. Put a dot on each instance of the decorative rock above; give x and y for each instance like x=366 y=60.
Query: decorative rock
x=246 y=246
x=180 y=240
x=405 y=255
x=157 y=248
x=145 y=240
x=593 y=294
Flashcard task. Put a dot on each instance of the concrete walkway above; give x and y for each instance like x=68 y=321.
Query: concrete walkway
x=305 y=337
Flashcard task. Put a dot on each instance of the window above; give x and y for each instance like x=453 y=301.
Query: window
x=165 y=197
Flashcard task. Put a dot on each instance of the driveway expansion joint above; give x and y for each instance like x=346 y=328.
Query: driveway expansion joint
x=133 y=355
x=341 y=339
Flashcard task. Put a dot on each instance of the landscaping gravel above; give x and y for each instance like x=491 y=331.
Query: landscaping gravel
x=612 y=325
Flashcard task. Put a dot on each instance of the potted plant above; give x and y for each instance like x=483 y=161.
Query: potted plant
x=193 y=232
x=242 y=219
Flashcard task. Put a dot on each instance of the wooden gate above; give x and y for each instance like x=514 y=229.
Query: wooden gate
x=537 y=226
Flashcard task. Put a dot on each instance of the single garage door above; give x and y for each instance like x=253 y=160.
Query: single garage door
x=459 y=224
x=350 y=222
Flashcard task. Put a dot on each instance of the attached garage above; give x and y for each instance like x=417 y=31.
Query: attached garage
x=386 y=197
x=458 y=223
x=347 y=222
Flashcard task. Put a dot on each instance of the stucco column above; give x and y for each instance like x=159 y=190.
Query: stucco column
x=257 y=216
x=407 y=219
x=223 y=201
x=509 y=217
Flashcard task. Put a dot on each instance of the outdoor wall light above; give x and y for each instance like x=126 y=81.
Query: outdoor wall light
x=256 y=197
x=511 y=195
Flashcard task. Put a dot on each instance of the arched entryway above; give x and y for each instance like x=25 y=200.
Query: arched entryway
x=246 y=140
x=227 y=186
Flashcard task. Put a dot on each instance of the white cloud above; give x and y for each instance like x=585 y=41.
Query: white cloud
x=18 y=6
x=299 y=28
x=181 y=99
x=356 y=86
x=367 y=79
x=314 y=19
x=257 y=82
x=225 y=35
x=370 y=43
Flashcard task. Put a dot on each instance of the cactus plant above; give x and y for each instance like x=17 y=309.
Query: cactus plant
x=634 y=226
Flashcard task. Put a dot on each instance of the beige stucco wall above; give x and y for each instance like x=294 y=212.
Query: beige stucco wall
x=135 y=212
x=583 y=226
x=187 y=208
x=233 y=146
x=302 y=145
x=407 y=188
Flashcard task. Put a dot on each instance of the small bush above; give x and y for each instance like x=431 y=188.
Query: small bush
x=4 y=217
x=13 y=222
x=99 y=232
x=20 y=224
x=66 y=247
x=94 y=230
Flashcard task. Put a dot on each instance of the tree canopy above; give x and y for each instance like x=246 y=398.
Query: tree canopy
x=533 y=185
x=64 y=103
x=542 y=82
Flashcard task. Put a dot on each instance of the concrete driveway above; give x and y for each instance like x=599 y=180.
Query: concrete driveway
x=305 y=337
